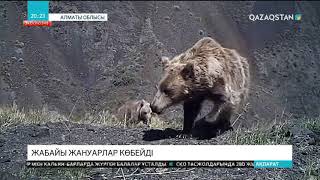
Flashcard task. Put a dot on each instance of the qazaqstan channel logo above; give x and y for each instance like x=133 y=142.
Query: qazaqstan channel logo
x=275 y=17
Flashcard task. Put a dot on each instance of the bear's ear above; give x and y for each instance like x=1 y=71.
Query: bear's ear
x=188 y=71
x=142 y=103
x=164 y=60
x=138 y=105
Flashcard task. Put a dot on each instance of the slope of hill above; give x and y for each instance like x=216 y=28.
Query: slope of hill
x=85 y=66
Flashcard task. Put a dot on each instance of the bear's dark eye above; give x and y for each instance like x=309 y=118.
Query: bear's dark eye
x=166 y=91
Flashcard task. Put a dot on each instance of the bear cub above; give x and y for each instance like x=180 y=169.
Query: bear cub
x=135 y=111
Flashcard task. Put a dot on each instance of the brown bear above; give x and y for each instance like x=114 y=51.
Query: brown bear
x=132 y=112
x=206 y=71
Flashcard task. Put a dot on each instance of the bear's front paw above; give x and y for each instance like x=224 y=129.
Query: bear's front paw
x=184 y=136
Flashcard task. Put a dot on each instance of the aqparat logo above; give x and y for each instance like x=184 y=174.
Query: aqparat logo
x=274 y=17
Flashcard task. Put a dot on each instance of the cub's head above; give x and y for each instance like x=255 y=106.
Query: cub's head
x=145 y=112
x=174 y=87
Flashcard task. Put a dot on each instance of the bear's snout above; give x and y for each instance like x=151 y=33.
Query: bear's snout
x=160 y=102
x=155 y=109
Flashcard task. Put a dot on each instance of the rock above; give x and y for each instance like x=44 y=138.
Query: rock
x=312 y=141
x=20 y=44
x=4 y=159
x=91 y=129
x=19 y=51
x=41 y=132
x=167 y=18
x=7 y=176
x=2 y=141
x=63 y=137
x=176 y=7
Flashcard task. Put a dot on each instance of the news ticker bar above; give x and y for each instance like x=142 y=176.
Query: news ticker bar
x=260 y=155
x=78 y=17
x=72 y=17
x=67 y=17
x=162 y=164
x=38 y=15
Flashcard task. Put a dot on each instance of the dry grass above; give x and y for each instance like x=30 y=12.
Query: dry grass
x=158 y=123
x=312 y=124
x=152 y=171
x=310 y=170
x=12 y=115
x=106 y=118
x=103 y=117
x=57 y=173
x=276 y=134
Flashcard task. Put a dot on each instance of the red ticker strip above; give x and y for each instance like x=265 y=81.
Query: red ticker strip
x=37 y=23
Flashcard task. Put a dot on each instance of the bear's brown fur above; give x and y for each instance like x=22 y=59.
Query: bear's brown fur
x=132 y=112
x=205 y=71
